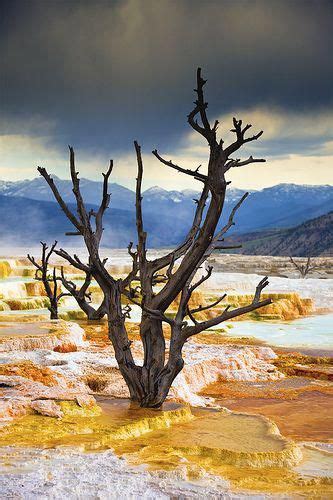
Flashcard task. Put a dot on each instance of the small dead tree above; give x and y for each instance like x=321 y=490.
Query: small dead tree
x=303 y=267
x=150 y=382
x=50 y=281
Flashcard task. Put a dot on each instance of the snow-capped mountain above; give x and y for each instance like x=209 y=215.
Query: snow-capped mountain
x=37 y=189
x=168 y=214
x=122 y=197
x=156 y=193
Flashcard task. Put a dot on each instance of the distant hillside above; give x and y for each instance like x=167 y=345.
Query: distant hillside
x=312 y=238
x=281 y=206
x=28 y=212
x=25 y=222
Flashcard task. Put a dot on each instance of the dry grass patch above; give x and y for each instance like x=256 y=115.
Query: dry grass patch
x=63 y=348
x=96 y=382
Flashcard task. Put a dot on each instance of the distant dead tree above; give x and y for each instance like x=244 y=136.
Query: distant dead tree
x=303 y=267
x=49 y=280
x=149 y=384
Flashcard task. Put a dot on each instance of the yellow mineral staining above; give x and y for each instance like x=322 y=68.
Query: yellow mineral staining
x=310 y=366
x=4 y=306
x=73 y=315
x=27 y=303
x=285 y=306
x=245 y=449
x=35 y=333
x=5 y=269
x=221 y=436
x=90 y=428
x=287 y=482
x=29 y=370
x=216 y=436
x=306 y=417
x=97 y=332
x=72 y=409
x=221 y=337
x=286 y=389
x=27 y=272
x=35 y=288
x=197 y=299
x=302 y=408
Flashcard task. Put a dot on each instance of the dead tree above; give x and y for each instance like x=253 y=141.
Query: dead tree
x=149 y=384
x=50 y=281
x=304 y=268
x=83 y=296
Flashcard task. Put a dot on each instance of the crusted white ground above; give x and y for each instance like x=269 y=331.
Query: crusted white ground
x=69 y=474
x=204 y=364
x=319 y=290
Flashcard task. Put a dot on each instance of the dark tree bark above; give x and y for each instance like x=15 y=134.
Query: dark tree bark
x=83 y=296
x=149 y=384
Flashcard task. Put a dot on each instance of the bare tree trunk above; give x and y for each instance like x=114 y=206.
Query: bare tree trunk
x=53 y=310
x=161 y=380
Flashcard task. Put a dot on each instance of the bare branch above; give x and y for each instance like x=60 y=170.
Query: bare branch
x=259 y=288
x=155 y=313
x=226 y=227
x=189 y=331
x=59 y=198
x=127 y=311
x=190 y=237
x=75 y=261
x=203 y=278
x=227 y=247
x=200 y=108
x=193 y=173
x=241 y=163
x=132 y=275
x=303 y=268
x=42 y=274
x=240 y=137
x=209 y=306
x=104 y=203
x=81 y=209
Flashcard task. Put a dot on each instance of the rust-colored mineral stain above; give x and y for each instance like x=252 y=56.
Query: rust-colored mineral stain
x=308 y=417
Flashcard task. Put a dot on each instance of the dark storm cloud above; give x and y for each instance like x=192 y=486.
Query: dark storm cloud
x=105 y=72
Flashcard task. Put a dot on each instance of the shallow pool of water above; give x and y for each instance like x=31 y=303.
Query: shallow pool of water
x=313 y=331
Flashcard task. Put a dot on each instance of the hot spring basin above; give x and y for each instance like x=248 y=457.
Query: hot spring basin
x=216 y=436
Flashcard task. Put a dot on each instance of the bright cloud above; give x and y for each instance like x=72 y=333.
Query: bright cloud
x=309 y=139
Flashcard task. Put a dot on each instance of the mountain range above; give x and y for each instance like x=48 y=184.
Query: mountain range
x=28 y=211
x=311 y=238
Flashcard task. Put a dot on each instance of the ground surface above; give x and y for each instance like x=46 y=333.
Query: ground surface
x=67 y=425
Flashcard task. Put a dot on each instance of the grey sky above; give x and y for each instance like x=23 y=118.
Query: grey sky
x=98 y=74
